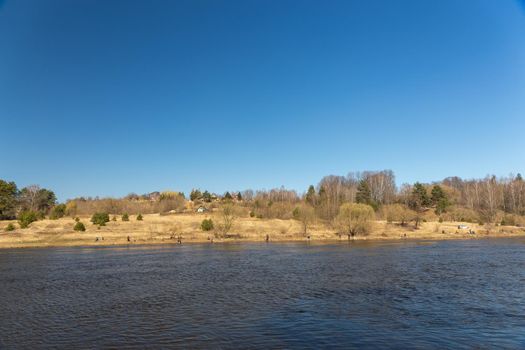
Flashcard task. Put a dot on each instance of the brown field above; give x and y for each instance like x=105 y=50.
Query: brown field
x=157 y=229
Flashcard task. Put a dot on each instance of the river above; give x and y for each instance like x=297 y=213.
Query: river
x=405 y=295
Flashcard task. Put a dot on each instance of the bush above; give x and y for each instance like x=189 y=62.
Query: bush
x=79 y=227
x=26 y=218
x=10 y=227
x=139 y=217
x=77 y=219
x=100 y=219
x=58 y=211
x=114 y=218
x=207 y=225
x=355 y=219
x=125 y=217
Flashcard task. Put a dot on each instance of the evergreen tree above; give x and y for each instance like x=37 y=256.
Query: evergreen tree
x=227 y=196
x=419 y=200
x=239 y=196
x=8 y=193
x=420 y=196
x=363 y=195
x=206 y=196
x=439 y=199
x=195 y=194
x=310 y=196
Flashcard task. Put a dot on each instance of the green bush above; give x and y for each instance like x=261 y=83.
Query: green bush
x=125 y=217
x=58 y=211
x=139 y=217
x=79 y=227
x=207 y=225
x=26 y=218
x=252 y=214
x=114 y=218
x=10 y=227
x=77 y=219
x=100 y=219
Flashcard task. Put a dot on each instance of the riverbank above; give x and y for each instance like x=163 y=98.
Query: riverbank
x=169 y=229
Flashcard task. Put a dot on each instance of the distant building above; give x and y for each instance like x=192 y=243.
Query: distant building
x=201 y=210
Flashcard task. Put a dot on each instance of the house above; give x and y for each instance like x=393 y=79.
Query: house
x=201 y=210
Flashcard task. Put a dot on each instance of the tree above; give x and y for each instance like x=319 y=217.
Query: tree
x=206 y=196
x=58 y=211
x=311 y=197
x=398 y=213
x=239 y=196
x=419 y=201
x=8 y=200
x=420 y=195
x=228 y=217
x=25 y=218
x=363 y=194
x=305 y=214
x=195 y=194
x=100 y=219
x=71 y=208
x=34 y=198
x=227 y=196
x=355 y=219
x=439 y=199
x=125 y=217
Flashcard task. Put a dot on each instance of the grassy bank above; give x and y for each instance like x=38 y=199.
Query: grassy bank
x=155 y=229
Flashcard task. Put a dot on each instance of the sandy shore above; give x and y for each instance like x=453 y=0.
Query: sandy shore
x=157 y=229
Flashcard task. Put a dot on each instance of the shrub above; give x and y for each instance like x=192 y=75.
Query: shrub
x=77 y=219
x=26 y=218
x=125 y=217
x=79 y=227
x=207 y=225
x=114 y=218
x=139 y=217
x=354 y=219
x=10 y=227
x=100 y=219
x=58 y=211
x=252 y=214
x=397 y=213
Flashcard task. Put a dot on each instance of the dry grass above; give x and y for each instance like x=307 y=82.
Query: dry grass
x=168 y=228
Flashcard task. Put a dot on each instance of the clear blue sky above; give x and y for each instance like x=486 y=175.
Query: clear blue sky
x=111 y=97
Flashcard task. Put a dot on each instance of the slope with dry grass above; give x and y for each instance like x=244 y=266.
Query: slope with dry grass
x=155 y=229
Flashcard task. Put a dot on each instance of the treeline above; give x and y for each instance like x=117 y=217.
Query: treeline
x=487 y=200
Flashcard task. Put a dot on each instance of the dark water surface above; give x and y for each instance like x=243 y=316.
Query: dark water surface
x=407 y=295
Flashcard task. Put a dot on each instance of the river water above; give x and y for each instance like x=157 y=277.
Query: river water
x=405 y=295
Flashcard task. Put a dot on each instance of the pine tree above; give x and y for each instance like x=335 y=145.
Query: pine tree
x=310 y=195
x=195 y=194
x=363 y=195
x=206 y=196
x=420 y=195
x=439 y=199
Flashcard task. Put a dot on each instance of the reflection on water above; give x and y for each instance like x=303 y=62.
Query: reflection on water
x=464 y=294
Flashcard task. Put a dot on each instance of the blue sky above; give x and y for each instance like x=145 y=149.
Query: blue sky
x=111 y=97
